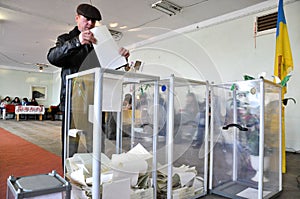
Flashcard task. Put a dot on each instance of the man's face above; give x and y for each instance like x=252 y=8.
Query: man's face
x=84 y=23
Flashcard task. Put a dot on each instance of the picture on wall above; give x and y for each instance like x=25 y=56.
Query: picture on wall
x=39 y=92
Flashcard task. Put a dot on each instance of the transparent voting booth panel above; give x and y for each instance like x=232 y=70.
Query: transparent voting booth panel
x=104 y=150
x=245 y=159
x=182 y=154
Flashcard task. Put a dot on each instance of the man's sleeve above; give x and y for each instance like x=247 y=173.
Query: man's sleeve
x=60 y=54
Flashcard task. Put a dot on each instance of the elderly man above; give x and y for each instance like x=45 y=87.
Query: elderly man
x=74 y=52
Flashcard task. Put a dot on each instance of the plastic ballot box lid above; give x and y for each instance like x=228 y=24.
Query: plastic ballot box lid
x=38 y=182
x=38 y=185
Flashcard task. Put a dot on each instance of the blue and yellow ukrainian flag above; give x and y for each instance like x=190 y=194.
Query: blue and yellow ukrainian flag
x=283 y=56
x=283 y=66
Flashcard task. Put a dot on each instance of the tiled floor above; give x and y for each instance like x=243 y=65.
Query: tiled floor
x=46 y=134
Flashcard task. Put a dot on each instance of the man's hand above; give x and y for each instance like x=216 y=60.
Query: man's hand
x=87 y=37
x=124 y=52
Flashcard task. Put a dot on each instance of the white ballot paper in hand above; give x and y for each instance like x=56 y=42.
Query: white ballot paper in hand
x=106 y=49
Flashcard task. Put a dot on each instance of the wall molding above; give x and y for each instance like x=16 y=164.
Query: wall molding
x=27 y=69
x=251 y=10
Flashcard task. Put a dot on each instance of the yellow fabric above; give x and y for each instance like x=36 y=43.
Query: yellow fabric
x=283 y=65
x=283 y=55
x=283 y=58
x=127 y=116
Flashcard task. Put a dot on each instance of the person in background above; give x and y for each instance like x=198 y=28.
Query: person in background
x=127 y=102
x=16 y=101
x=192 y=105
x=33 y=102
x=74 y=52
x=185 y=125
x=25 y=101
x=4 y=101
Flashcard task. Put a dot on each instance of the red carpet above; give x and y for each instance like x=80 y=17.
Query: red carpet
x=19 y=157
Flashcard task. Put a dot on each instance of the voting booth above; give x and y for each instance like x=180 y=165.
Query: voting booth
x=95 y=165
x=183 y=164
x=152 y=154
x=245 y=144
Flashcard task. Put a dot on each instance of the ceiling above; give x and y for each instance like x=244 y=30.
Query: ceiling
x=28 y=28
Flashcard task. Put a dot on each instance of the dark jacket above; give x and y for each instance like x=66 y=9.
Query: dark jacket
x=69 y=55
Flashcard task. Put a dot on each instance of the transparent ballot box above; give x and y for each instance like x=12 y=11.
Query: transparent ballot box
x=182 y=146
x=105 y=150
x=40 y=186
x=245 y=144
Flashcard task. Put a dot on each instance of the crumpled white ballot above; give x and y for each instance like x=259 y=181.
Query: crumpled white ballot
x=140 y=152
x=78 y=177
x=79 y=168
x=186 y=174
x=121 y=166
x=130 y=164
x=74 y=132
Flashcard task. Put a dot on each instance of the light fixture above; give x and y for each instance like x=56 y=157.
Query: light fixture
x=41 y=66
x=123 y=27
x=113 y=25
x=167 y=7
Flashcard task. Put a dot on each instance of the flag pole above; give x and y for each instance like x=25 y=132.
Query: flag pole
x=283 y=155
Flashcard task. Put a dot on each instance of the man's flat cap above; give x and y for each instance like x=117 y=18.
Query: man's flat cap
x=89 y=11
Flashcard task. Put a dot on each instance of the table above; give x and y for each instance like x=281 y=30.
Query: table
x=40 y=110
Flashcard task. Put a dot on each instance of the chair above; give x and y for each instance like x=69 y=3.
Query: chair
x=9 y=110
x=55 y=112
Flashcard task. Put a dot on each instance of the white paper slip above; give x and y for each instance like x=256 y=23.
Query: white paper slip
x=74 y=132
x=106 y=49
x=251 y=193
x=117 y=189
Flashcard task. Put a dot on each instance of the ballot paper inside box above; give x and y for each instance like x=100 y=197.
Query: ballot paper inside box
x=182 y=193
x=142 y=193
x=123 y=172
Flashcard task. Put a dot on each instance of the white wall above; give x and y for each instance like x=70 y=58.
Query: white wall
x=225 y=52
x=16 y=83
x=56 y=88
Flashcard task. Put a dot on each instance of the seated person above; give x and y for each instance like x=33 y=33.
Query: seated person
x=33 y=102
x=4 y=101
x=16 y=101
x=53 y=110
x=25 y=101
